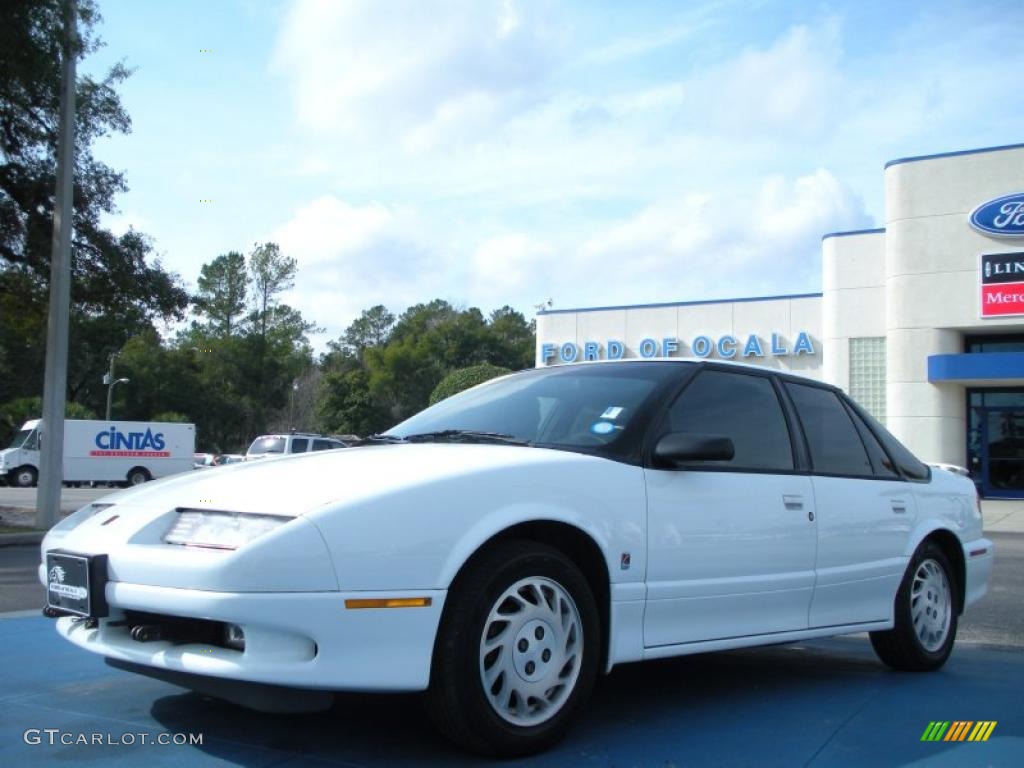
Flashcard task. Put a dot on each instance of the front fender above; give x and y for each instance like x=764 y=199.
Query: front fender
x=419 y=537
x=503 y=519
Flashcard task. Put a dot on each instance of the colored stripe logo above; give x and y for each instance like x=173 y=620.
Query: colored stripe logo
x=959 y=730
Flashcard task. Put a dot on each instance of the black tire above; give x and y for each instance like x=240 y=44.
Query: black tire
x=24 y=477
x=138 y=476
x=456 y=699
x=900 y=647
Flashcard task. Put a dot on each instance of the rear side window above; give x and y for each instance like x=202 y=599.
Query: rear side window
x=325 y=445
x=836 y=448
x=880 y=461
x=299 y=445
x=911 y=466
x=742 y=407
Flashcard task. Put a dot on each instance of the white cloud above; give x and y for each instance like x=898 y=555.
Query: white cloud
x=511 y=264
x=763 y=240
x=351 y=257
x=697 y=246
x=121 y=222
x=514 y=157
x=407 y=69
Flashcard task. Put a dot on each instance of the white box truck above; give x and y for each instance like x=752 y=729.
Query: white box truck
x=129 y=452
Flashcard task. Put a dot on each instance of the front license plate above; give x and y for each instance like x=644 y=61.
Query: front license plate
x=72 y=582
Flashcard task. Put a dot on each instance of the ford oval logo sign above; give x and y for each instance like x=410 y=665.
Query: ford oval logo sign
x=1003 y=216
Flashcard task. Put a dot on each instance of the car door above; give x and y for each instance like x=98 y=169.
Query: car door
x=865 y=511
x=731 y=544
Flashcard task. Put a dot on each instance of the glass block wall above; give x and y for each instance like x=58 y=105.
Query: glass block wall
x=867 y=374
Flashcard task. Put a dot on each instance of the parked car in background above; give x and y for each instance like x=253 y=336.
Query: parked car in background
x=292 y=442
x=204 y=461
x=504 y=547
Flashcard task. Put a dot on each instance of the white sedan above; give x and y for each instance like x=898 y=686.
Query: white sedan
x=502 y=548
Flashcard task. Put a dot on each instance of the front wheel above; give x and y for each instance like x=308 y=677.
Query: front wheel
x=138 y=476
x=517 y=651
x=926 y=613
x=25 y=477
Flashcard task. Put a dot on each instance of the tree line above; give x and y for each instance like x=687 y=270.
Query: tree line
x=240 y=362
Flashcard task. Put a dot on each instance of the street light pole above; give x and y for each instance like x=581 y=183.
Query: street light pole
x=110 y=393
x=55 y=381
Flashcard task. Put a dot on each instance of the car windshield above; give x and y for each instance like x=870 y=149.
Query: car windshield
x=586 y=407
x=267 y=445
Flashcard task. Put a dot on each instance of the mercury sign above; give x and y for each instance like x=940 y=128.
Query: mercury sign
x=726 y=347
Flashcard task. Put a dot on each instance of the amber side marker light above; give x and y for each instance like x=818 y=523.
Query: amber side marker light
x=390 y=602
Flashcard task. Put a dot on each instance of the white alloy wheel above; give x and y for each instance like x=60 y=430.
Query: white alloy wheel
x=931 y=605
x=531 y=650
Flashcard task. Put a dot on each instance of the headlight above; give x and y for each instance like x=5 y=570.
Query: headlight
x=78 y=517
x=219 y=530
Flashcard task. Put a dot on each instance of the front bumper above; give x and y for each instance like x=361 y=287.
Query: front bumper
x=296 y=639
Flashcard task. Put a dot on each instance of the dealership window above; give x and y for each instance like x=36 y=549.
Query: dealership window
x=995 y=343
x=867 y=374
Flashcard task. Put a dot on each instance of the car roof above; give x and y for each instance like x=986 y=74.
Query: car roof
x=701 y=361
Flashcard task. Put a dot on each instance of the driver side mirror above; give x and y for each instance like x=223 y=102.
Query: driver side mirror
x=679 y=448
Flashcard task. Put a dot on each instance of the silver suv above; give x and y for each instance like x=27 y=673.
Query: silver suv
x=294 y=442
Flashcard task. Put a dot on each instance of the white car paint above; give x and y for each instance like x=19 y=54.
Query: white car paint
x=863 y=527
x=731 y=554
x=716 y=559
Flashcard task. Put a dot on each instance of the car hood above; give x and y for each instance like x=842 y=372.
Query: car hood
x=298 y=484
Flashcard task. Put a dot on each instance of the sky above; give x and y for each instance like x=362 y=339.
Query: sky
x=512 y=152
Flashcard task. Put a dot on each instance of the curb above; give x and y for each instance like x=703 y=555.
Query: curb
x=21 y=539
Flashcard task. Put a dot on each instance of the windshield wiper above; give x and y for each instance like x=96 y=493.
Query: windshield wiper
x=464 y=436
x=378 y=439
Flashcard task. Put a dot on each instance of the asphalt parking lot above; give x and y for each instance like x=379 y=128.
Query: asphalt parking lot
x=819 y=703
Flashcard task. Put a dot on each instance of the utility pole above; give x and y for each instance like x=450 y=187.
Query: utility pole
x=55 y=384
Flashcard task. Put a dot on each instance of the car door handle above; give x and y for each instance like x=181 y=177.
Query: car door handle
x=899 y=507
x=793 y=502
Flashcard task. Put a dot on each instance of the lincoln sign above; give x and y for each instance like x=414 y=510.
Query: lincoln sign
x=1002 y=284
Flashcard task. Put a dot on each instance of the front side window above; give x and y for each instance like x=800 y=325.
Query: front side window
x=742 y=407
x=325 y=445
x=836 y=448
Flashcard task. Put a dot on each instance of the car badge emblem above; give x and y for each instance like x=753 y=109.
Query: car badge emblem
x=624 y=561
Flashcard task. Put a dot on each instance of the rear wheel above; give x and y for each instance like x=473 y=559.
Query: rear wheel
x=926 y=614
x=138 y=476
x=517 y=651
x=24 y=477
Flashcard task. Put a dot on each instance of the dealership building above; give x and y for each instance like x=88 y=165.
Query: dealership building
x=921 y=321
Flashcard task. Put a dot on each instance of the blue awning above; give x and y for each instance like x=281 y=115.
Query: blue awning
x=976 y=366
